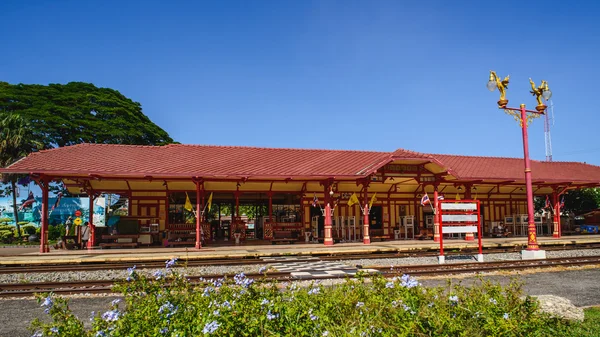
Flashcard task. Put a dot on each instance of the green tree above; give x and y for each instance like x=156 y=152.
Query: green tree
x=76 y=112
x=16 y=141
x=576 y=201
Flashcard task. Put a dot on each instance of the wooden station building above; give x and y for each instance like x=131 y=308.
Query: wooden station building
x=286 y=182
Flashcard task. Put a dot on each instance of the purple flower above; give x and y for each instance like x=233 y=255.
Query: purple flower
x=115 y=302
x=54 y=329
x=493 y=301
x=159 y=274
x=505 y=316
x=313 y=291
x=48 y=303
x=131 y=275
x=453 y=298
x=111 y=316
x=360 y=304
x=262 y=269
x=271 y=316
x=170 y=263
x=211 y=327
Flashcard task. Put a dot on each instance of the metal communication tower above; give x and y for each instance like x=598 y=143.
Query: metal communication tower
x=547 y=137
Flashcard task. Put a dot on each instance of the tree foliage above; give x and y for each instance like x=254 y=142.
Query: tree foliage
x=16 y=141
x=76 y=112
x=577 y=202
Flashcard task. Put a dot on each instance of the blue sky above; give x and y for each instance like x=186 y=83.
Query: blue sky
x=372 y=75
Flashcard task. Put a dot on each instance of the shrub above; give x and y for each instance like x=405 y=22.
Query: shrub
x=29 y=229
x=6 y=236
x=168 y=305
x=7 y=228
x=56 y=231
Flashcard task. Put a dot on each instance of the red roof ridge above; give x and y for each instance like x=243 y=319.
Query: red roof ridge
x=412 y=152
x=274 y=148
x=516 y=158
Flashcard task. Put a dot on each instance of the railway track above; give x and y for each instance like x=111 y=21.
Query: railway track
x=105 y=286
x=259 y=261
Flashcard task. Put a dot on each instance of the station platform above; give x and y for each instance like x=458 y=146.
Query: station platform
x=249 y=249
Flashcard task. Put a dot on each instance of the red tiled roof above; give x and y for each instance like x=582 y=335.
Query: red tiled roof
x=200 y=160
x=177 y=160
x=473 y=167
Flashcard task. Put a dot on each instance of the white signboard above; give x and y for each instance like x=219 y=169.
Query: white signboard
x=459 y=217
x=459 y=229
x=459 y=207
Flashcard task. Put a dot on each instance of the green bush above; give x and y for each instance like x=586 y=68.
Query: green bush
x=7 y=236
x=56 y=231
x=7 y=228
x=29 y=229
x=358 y=307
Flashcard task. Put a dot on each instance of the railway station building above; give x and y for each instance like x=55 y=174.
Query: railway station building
x=176 y=193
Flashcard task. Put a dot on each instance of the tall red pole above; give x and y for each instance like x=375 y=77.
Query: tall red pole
x=92 y=241
x=44 y=248
x=436 y=218
x=532 y=243
x=198 y=217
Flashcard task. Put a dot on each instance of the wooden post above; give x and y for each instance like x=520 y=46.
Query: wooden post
x=198 y=217
x=92 y=241
x=44 y=248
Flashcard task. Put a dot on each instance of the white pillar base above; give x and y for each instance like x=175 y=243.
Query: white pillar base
x=533 y=254
x=441 y=259
x=479 y=257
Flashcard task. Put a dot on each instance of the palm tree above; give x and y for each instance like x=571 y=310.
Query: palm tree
x=16 y=141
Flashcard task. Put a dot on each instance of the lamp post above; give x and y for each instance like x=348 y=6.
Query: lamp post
x=524 y=117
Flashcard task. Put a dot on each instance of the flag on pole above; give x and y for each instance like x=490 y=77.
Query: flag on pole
x=210 y=201
x=440 y=197
x=30 y=200
x=562 y=202
x=548 y=204
x=57 y=202
x=425 y=199
x=315 y=201
x=353 y=200
x=373 y=199
x=188 y=204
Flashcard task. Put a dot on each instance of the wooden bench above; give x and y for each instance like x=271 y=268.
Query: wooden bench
x=282 y=236
x=378 y=234
x=181 y=239
x=113 y=240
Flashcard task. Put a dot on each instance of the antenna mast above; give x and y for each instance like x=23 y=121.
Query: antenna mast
x=547 y=137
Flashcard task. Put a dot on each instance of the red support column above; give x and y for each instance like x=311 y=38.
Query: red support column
x=92 y=241
x=198 y=220
x=436 y=216
x=366 y=237
x=532 y=243
x=556 y=215
x=44 y=248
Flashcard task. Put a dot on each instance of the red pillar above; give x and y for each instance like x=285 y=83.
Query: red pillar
x=44 y=248
x=532 y=243
x=198 y=219
x=436 y=216
x=555 y=216
x=366 y=237
x=92 y=241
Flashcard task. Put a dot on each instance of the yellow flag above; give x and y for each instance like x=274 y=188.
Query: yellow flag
x=209 y=201
x=353 y=200
x=188 y=203
x=373 y=199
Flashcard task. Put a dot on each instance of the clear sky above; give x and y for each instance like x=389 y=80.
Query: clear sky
x=372 y=75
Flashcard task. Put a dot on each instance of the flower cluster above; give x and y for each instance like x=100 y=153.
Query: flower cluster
x=242 y=280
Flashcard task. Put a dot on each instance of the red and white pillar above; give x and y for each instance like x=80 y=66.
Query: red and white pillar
x=328 y=240
x=366 y=237
x=436 y=216
x=44 y=248
x=198 y=217
x=556 y=216
x=92 y=241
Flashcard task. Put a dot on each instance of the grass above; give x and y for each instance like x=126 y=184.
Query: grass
x=591 y=324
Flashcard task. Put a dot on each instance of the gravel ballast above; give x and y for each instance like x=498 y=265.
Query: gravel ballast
x=235 y=269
